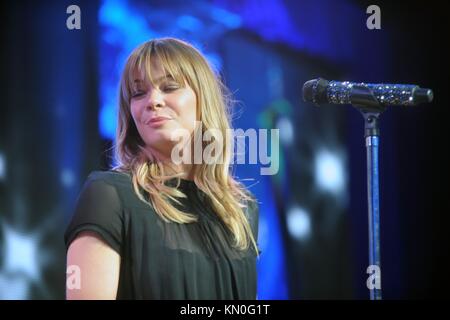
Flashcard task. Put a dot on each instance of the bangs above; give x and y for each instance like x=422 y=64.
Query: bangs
x=140 y=62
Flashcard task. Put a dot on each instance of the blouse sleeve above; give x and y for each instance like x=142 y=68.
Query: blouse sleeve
x=98 y=209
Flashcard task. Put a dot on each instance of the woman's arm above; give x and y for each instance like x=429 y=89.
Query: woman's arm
x=99 y=267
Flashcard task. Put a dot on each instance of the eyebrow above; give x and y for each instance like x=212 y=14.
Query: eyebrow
x=169 y=77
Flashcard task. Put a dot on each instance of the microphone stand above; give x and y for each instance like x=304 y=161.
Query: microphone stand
x=364 y=100
x=362 y=97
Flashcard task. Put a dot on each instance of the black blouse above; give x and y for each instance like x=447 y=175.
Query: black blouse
x=161 y=260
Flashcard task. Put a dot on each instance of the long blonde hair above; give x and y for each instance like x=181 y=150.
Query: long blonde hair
x=227 y=197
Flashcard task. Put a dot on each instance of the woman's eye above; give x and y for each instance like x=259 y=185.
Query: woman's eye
x=170 y=88
x=137 y=94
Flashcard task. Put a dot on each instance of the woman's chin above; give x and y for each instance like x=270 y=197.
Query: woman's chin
x=161 y=149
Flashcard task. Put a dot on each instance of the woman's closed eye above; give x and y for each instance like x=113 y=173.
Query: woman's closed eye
x=163 y=88
x=137 y=94
x=170 y=87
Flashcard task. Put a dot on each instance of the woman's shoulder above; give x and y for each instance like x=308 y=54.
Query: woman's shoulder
x=109 y=176
x=113 y=183
x=118 y=182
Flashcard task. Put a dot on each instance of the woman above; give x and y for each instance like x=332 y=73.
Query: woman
x=153 y=227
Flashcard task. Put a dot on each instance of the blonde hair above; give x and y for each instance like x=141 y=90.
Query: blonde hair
x=227 y=197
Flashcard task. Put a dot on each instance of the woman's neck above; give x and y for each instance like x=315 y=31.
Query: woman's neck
x=171 y=168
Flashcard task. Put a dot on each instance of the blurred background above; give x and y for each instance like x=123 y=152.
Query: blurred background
x=58 y=117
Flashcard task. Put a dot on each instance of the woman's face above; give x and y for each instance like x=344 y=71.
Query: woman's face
x=160 y=110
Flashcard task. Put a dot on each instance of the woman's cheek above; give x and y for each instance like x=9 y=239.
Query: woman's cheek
x=135 y=112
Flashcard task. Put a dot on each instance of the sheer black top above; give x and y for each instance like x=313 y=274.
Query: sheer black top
x=161 y=260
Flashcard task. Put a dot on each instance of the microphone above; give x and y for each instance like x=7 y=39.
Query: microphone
x=320 y=91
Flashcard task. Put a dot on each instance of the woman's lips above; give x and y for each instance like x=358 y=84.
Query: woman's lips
x=157 y=121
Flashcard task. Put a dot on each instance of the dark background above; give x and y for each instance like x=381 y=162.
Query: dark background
x=43 y=67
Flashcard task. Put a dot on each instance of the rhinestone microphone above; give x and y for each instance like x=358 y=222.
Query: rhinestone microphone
x=321 y=91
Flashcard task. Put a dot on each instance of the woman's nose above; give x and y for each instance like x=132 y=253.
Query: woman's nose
x=155 y=100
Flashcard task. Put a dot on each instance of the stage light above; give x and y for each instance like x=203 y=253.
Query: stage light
x=21 y=254
x=13 y=286
x=24 y=260
x=329 y=172
x=298 y=223
x=286 y=130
